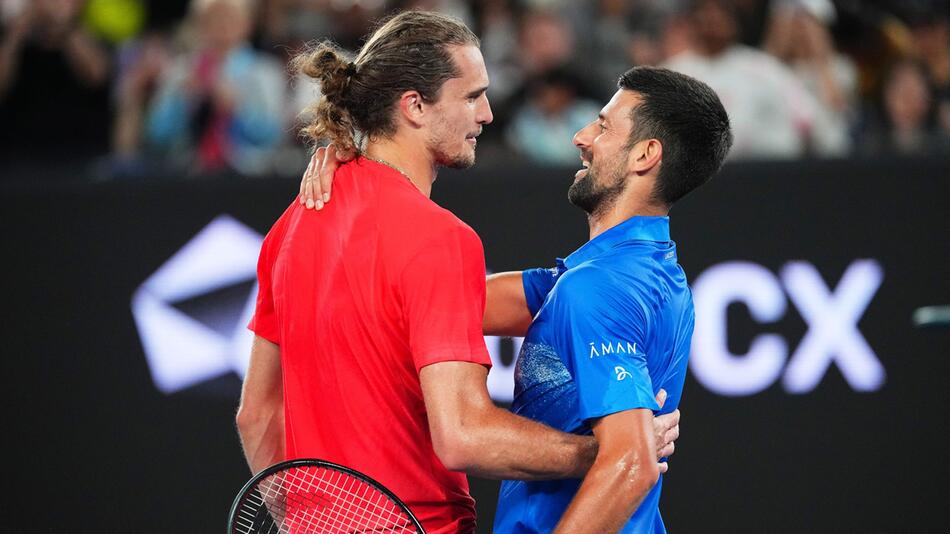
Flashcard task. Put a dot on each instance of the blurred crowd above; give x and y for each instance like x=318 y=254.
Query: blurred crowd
x=125 y=88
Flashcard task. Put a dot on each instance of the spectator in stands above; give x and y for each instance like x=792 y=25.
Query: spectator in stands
x=799 y=35
x=931 y=32
x=53 y=84
x=283 y=22
x=655 y=31
x=545 y=41
x=140 y=64
x=220 y=105
x=772 y=114
x=498 y=30
x=907 y=124
x=542 y=129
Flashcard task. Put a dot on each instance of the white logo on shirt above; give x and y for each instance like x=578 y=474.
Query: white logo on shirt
x=622 y=373
x=620 y=347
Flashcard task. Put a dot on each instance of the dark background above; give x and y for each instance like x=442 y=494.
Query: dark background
x=93 y=446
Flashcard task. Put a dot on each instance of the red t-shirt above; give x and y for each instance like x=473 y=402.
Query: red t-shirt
x=360 y=296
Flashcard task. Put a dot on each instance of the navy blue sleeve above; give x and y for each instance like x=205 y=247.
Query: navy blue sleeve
x=601 y=335
x=537 y=284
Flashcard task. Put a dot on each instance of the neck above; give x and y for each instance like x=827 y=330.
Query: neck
x=622 y=208
x=409 y=158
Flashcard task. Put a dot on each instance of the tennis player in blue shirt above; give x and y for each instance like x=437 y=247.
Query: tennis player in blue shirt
x=610 y=324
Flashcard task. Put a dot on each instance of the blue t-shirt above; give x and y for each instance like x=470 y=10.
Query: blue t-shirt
x=612 y=325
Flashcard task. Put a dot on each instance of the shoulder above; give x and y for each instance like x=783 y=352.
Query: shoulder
x=416 y=219
x=585 y=283
x=596 y=283
x=275 y=236
x=438 y=227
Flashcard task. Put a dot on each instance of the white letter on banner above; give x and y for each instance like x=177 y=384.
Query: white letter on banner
x=711 y=362
x=832 y=319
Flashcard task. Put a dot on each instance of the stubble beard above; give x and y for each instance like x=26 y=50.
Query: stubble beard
x=595 y=195
x=443 y=158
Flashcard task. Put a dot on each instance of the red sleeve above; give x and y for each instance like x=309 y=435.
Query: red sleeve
x=443 y=294
x=264 y=322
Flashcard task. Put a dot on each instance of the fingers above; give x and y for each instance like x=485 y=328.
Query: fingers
x=674 y=418
x=316 y=201
x=667 y=430
x=318 y=180
x=304 y=182
x=662 y=423
x=663 y=467
x=327 y=169
x=667 y=450
x=673 y=432
x=661 y=397
x=309 y=186
x=671 y=435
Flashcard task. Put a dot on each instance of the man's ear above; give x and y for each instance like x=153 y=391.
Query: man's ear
x=412 y=108
x=645 y=156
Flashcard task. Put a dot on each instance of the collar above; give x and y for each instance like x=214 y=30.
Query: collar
x=633 y=229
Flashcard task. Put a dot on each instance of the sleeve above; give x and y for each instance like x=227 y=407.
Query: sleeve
x=257 y=119
x=264 y=321
x=443 y=294
x=538 y=283
x=167 y=118
x=601 y=336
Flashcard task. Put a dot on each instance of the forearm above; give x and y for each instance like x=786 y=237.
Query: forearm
x=622 y=475
x=260 y=416
x=262 y=439
x=89 y=61
x=9 y=59
x=501 y=445
x=608 y=497
x=127 y=129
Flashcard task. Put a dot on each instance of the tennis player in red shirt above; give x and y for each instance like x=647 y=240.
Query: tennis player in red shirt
x=369 y=349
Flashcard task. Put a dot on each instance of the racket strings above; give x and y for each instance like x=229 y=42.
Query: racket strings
x=313 y=499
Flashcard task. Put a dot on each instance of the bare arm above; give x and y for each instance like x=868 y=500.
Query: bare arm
x=622 y=475
x=10 y=47
x=260 y=417
x=506 y=308
x=87 y=59
x=471 y=434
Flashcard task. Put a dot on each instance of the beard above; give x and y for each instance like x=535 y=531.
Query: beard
x=456 y=161
x=446 y=157
x=593 y=193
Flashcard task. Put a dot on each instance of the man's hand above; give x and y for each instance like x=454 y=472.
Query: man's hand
x=667 y=430
x=318 y=179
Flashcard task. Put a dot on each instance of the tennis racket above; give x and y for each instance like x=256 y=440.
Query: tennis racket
x=309 y=496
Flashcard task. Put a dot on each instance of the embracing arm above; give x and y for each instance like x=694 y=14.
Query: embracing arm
x=471 y=434
x=506 y=308
x=622 y=475
x=260 y=417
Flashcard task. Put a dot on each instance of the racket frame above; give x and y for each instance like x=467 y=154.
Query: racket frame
x=315 y=462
